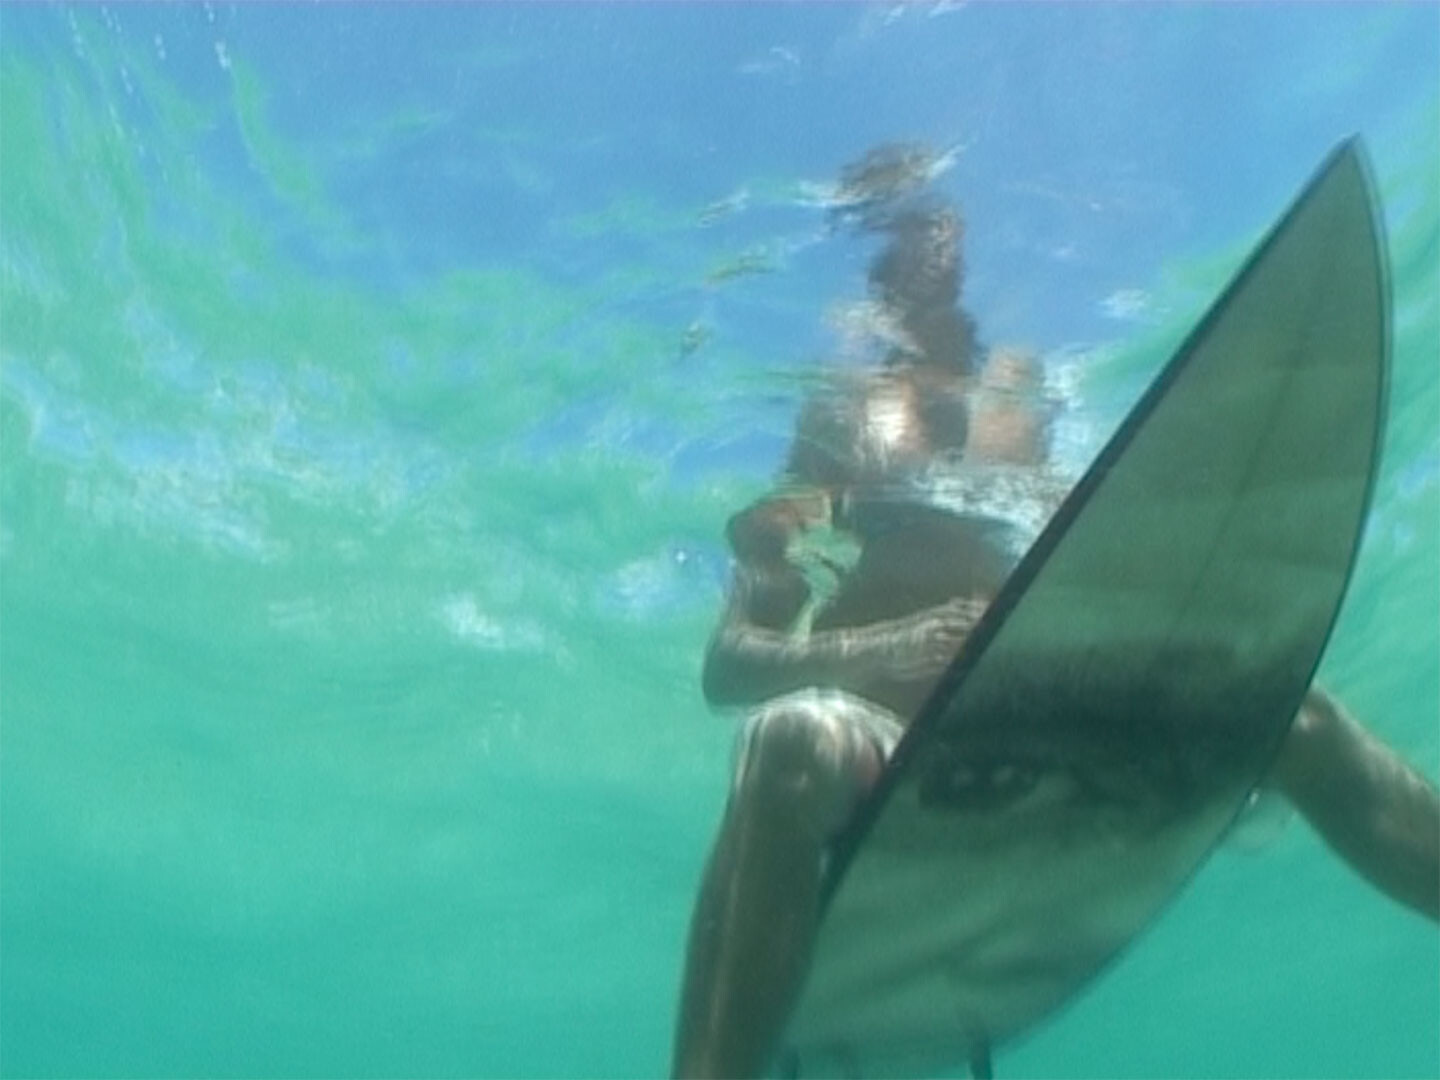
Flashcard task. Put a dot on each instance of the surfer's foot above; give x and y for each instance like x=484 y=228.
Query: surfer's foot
x=803 y=762
x=1376 y=812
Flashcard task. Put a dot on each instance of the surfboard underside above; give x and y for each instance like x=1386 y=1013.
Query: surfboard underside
x=1133 y=680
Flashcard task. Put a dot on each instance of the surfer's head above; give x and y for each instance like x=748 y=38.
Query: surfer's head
x=916 y=279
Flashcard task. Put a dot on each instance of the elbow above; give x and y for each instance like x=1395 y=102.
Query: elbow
x=719 y=680
x=730 y=677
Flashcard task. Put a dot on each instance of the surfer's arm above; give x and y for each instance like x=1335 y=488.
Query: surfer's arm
x=748 y=663
x=759 y=649
x=1369 y=806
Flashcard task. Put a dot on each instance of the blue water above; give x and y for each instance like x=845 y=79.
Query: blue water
x=372 y=398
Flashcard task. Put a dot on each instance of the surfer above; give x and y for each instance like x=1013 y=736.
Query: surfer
x=847 y=603
x=836 y=677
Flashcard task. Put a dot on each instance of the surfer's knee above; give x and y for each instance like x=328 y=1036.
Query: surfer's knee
x=794 y=737
x=806 y=751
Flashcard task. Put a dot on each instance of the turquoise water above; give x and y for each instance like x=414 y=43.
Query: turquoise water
x=373 y=392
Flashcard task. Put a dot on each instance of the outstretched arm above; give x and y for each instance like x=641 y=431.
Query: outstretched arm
x=1373 y=810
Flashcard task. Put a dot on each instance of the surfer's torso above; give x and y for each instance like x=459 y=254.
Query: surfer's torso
x=880 y=430
x=863 y=539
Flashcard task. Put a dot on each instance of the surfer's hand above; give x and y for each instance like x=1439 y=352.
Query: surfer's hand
x=923 y=645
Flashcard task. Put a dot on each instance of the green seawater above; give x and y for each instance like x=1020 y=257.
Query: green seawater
x=350 y=630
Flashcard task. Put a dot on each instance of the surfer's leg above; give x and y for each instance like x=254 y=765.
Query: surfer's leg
x=1373 y=810
x=802 y=763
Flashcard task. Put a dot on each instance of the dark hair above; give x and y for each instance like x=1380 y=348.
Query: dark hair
x=917 y=277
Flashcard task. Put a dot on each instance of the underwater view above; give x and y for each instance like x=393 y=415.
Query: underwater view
x=376 y=384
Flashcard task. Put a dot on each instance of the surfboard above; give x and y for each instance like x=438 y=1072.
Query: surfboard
x=1133 y=679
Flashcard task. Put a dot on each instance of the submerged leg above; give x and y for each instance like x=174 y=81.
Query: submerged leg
x=1373 y=810
x=803 y=762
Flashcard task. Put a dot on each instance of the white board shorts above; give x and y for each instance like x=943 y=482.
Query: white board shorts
x=852 y=721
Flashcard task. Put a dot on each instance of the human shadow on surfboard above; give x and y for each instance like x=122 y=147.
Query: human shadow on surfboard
x=1132 y=681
